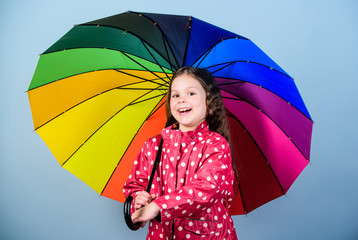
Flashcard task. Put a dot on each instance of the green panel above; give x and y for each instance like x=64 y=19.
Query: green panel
x=107 y=37
x=142 y=27
x=59 y=65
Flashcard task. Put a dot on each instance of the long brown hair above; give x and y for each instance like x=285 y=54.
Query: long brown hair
x=216 y=113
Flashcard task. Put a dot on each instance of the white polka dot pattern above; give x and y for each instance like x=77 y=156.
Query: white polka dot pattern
x=193 y=184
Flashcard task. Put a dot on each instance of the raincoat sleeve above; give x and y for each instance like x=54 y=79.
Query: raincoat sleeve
x=212 y=182
x=138 y=178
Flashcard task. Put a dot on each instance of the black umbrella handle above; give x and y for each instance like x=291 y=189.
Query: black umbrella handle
x=127 y=215
x=128 y=203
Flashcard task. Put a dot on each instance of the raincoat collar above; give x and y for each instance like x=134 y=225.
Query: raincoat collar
x=172 y=133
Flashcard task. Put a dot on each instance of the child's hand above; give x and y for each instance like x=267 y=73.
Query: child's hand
x=145 y=214
x=143 y=198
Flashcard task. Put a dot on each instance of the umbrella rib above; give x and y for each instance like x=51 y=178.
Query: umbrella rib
x=209 y=49
x=130 y=143
x=116 y=69
x=121 y=51
x=125 y=54
x=187 y=41
x=74 y=152
x=242 y=81
x=156 y=109
x=72 y=108
x=72 y=75
x=231 y=83
x=145 y=79
x=155 y=59
x=235 y=168
x=147 y=99
x=126 y=31
x=242 y=198
x=258 y=147
x=163 y=37
x=152 y=89
x=204 y=56
x=242 y=99
x=232 y=62
x=225 y=66
x=166 y=51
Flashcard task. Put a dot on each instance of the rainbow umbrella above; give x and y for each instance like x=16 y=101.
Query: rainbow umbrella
x=99 y=92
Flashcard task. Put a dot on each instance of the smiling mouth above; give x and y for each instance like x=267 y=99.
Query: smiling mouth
x=183 y=110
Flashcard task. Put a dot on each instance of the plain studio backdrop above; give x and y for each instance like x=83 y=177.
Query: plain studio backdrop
x=314 y=41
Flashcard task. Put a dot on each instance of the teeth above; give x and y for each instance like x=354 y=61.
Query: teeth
x=184 y=110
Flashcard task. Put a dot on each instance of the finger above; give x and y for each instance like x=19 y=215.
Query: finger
x=141 y=202
x=143 y=194
x=135 y=216
x=143 y=224
x=139 y=206
x=144 y=197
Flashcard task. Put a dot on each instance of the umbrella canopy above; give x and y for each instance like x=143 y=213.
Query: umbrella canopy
x=99 y=92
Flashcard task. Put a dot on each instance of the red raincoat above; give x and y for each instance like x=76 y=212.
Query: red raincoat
x=193 y=184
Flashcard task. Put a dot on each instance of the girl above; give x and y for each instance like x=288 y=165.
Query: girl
x=193 y=186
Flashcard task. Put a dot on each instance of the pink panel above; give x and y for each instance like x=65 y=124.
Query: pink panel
x=285 y=159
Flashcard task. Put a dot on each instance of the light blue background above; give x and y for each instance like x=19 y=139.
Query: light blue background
x=314 y=41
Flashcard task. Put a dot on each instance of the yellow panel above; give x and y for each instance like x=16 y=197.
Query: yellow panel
x=96 y=160
x=53 y=99
x=64 y=134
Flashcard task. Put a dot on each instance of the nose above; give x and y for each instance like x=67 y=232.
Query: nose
x=181 y=99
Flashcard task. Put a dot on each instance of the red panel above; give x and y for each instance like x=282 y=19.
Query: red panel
x=257 y=183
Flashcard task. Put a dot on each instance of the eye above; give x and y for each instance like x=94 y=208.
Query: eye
x=191 y=93
x=175 y=95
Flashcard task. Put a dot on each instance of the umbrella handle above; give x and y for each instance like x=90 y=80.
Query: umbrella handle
x=127 y=214
x=128 y=202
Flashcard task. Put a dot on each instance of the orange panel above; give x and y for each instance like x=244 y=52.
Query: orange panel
x=151 y=127
x=50 y=100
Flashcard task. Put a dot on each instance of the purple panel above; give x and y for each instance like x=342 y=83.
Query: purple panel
x=291 y=121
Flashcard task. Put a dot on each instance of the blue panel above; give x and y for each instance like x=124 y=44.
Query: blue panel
x=232 y=50
x=203 y=36
x=272 y=80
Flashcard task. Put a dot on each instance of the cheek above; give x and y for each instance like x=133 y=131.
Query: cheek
x=205 y=107
x=172 y=106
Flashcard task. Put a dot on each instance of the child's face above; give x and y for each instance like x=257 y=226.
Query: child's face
x=188 y=102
